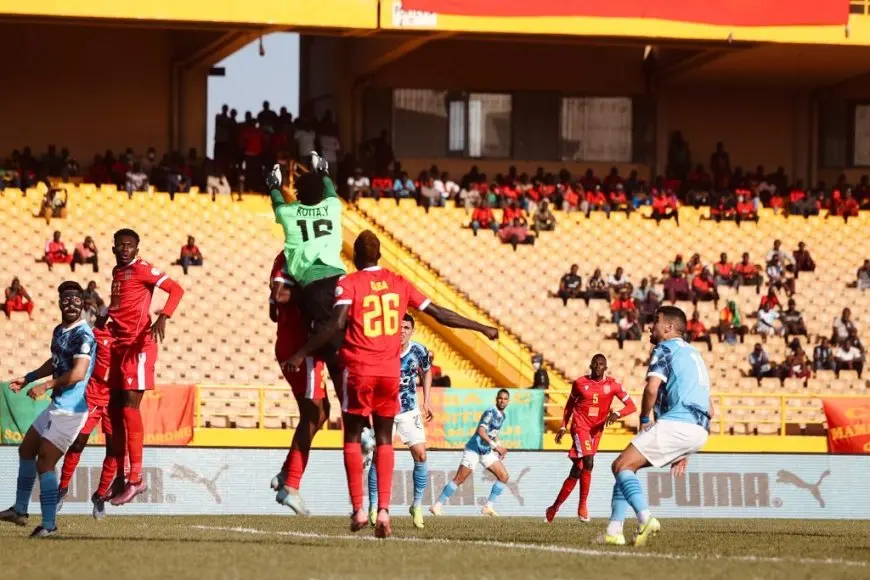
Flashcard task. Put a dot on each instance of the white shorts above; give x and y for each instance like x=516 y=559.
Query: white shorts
x=409 y=427
x=470 y=459
x=667 y=441
x=59 y=427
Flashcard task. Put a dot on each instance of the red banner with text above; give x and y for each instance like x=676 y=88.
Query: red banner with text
x=848 y=425
x=724 y=12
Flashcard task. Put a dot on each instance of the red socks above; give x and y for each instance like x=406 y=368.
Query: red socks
x=567 y=488
x=585 y=481
x=296 y=462
x=119 y=439
x=107 y=476
x=135 y=442
x=353 y=466
x=70 y=462
x=385 y=461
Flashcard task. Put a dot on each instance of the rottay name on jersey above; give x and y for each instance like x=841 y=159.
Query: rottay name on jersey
x=415 y=362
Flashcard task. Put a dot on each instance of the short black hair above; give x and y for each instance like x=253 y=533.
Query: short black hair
x=673 y=315
x=126 y=232
x=70 y=286
x=598 y=354
x=505 y=391
x=309 y=188
x=409 y=318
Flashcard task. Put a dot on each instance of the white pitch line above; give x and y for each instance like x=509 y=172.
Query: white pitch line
x=552 y=548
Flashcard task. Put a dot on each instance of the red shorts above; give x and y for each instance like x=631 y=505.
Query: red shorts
x=97 y=415
x=307 y=382
x=132 y=367
x=369 y=395
x=584 y=443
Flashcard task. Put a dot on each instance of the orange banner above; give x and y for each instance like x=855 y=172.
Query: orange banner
x=848 y=425
x=167 y=414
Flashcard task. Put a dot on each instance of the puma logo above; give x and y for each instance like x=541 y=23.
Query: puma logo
x=514 y=484
x=186 y=474
x=783 y=476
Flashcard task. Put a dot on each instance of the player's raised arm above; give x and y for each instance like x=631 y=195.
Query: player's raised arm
x=450 y=319
x=336 y=325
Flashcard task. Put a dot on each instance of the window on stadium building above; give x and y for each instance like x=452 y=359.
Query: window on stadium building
x=596 y=129
x=480 y=125
x=419 y=122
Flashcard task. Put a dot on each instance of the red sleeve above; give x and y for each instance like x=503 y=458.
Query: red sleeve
x=278 y=271
x=344 y=291
x=175 y=293
x=416 y=299
x=629 y=407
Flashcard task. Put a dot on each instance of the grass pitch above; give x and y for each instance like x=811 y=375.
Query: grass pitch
x=239 y=547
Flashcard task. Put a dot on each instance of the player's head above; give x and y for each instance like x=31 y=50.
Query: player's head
x=502 y=398
x=71 y=299
x=366 y=250
x=598 y=366
x=309 y=188
x=125 y=246
x=670 y=322
x=407 y=329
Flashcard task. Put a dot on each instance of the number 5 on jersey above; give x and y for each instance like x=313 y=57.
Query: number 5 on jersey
x=380 y=315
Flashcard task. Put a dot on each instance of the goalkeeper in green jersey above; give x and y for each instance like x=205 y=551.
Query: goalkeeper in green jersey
x=312 y=240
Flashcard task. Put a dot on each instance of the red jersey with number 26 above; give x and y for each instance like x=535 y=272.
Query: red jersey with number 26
x=378 y=300
x=589 y=403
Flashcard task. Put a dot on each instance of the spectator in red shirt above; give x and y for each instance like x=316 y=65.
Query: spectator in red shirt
x=595 y=200
x=803 y=261
x=56 y=252
x=748 y=273
x=622 y=305
x=512 y=213
x=482 y=217
x=664 y=208
x=724 y=274
x=619 y=201
x=17 y=300
x=797 y=365
x=704 y=288
x=516 y=233
x=86 y=253
x=769 y=299
x=847 y=208
x=746 y=209
x=697 y=332
x=190 y=255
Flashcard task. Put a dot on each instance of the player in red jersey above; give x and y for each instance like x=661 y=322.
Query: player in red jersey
x=97 y=397
x=369 y=307
x=588 y=410
x=134 y=353
x=306 y=383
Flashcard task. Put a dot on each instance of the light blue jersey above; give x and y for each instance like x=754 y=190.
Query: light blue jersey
x=685 y=393
x=415 y=362
x=68 y=344
x=492 y=420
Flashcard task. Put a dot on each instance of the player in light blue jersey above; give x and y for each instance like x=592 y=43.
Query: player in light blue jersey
x=73 y=350
x=483 y=448
x=674 y=422
x=408 y=424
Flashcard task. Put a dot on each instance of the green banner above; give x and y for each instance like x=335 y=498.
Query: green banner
x=457 y=412
x=17 y=412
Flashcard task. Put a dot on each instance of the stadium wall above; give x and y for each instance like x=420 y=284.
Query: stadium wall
x=235 y=482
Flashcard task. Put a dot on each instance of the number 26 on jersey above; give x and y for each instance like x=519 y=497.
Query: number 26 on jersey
x=380 y=315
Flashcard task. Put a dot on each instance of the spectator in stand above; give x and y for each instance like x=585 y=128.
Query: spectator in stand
x=769 y=299
x=190 y=255
x=847 y=208
x=92 y=295
x=94 y=306
x=797 y=366
x=595 y=200
x=621 y=305
x=720 y=166
x=403 y=187
x=617 y=283
x=619 y=201
x=749 y=274
x=628 y=328
x=358 y=185
x=863 y=276
x=511 y=213
x=541 y=379
x=848 y=356
x=516 y=233
x=56 y=252
x=482 y=217
x=136 y=180
x=429 y=196
x=704 y=288
x=544 y=219
x=768 y=323
x=570 y=286
x=853 y=336
x=700 y=183
x=724 y=274
x=597 y=287
x=676 y=285
x=306 y=137
x=218 y=185
x=664 y=208
x=17 y=300
x=760 y=365
x=843 y=327
x=745 y=210
x=776 y=277
x=823 y=356
x=803 y=261
x=86 y=253
x=649 y=307
x=793 y=321
x=645 y=289
x=697 y=332
x=778 y=253
x=679 y=160
x=267 y=118
x=53 y=205
x=731 y=326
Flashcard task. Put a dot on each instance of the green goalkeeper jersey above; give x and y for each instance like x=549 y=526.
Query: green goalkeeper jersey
x=312 y=235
